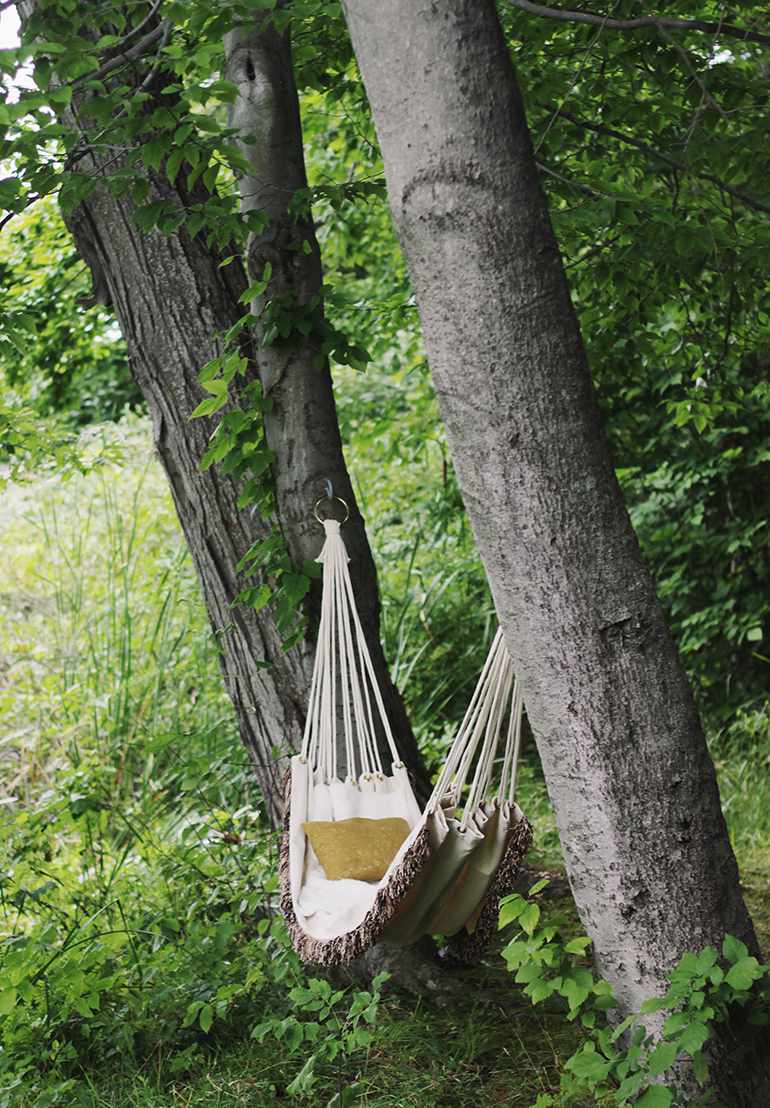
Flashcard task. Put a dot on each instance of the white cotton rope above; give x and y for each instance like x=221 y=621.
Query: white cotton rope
x=342 y=659
x=343 y=669
x=497 y=692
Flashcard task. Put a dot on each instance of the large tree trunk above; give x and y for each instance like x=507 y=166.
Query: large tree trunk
x=626 y=763
x=172 y=301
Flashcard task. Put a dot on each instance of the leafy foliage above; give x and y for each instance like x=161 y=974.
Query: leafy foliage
x=132 y=848
x=64 y=357
x=137 y=878
x=622 y=1064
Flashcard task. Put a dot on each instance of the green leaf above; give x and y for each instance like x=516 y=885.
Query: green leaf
x=511 y=908
x=75 y=188
x=744 y=973
x=148 y=215
x=528 y=972
x=676 y=1023
x=206 y=1017
x=173 y=163
x=529 y=918
x=223 y=90
x=252 y=292
x=209 y=406
x=589 y=1065
x=217 y=450
x=623 y=1026
x=630 y=1086
x=657 y=1096
x=351 y=1096
x=7 y=1001
x=152 y=152
x=662 y=1058
x=733 y=949
x=577 y=946
x=217 y=386
x=260 y=597
x=61 y=96
x=539 y=886
x=577 y=987
x=294 y=586
x=203 y=123
x=304 y=1080
x=693 y=1037
x=540 y=990
x=706 y=959
x=654 y=1004
x=193 y=1008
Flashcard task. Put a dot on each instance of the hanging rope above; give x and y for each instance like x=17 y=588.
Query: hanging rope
x=343 y=678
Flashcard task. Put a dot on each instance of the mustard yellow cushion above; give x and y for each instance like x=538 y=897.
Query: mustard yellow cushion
x=358 y=848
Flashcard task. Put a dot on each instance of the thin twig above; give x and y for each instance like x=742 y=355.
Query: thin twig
x=562 y=15
x=651 y=151
x=138 y=50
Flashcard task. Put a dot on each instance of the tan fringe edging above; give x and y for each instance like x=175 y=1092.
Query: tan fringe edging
x=345 y=948
x=469 y=946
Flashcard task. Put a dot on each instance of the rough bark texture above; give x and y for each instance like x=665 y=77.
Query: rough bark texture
x=172 y=300
x=634 y=789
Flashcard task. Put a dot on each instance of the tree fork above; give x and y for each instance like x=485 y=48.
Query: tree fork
x=623 y=750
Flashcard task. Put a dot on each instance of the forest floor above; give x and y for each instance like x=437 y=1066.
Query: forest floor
x=486 y=1045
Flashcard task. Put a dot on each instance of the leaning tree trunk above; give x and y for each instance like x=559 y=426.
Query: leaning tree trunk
x=173 y=301
x=623 y=751
x=301 y=425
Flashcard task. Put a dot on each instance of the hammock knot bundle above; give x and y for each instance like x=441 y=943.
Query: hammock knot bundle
x=359 y=861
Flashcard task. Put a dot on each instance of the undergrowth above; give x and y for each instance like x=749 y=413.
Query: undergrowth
x=141 y=958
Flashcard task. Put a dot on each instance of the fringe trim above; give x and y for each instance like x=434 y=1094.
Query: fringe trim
x=343 y=949
x=468 y=946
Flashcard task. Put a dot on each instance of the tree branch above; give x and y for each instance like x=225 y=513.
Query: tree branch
x=131 y=54
x=562 y=15
x=682 y=167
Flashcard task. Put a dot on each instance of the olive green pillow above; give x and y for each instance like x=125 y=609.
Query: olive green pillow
x=358 y=848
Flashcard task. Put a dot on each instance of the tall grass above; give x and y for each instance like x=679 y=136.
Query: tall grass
x=104 y=645
x=129 y=822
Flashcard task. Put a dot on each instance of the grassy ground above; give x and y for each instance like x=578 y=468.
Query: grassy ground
x=134 y=865
x=424 y=1057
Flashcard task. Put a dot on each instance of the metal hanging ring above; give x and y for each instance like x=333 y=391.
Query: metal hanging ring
x=332 y=498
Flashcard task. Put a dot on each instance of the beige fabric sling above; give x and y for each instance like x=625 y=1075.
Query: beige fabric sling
x=447 y=864
x=462 y=871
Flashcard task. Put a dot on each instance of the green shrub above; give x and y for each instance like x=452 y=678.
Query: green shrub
x=627 y=1062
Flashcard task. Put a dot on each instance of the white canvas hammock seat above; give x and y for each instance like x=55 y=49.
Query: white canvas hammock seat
x=459 y=855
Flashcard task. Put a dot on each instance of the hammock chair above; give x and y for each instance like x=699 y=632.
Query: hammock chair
x=360 y=862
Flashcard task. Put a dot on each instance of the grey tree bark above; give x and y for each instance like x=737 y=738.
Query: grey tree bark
x=173 y=301
x=634 y=789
